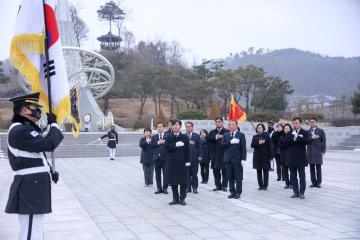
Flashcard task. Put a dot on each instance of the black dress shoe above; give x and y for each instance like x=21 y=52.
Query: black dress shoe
x=313 y=185
x=216 y=189
x=318 y=185
x=165 y=191
x=158 y=191
x=260 y=188
x=287 y=186
x=265 y=188
x=224 y=189
x=302 y=196
x=182 y=202
x=195 y=191
x=295 y=195
x=173 y=202
x=237 y=196
x=232 y=195
x=188 y=190
x=278 y=179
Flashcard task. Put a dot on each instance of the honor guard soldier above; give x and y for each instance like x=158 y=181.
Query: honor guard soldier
x=113 y=140
x=30 y=192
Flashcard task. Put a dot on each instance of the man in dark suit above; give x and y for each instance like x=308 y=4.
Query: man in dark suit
x=234 y=157
x=195 y=156
x=217 y=155
x=297 y=158
x=178 y=162
x=315 y=151
x=159 y=157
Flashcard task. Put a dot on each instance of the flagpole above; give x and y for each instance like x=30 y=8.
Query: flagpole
x=47 y=75
x=252 y=124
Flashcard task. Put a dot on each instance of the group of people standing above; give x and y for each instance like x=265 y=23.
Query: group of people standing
x=177 y=157
x=293 y=149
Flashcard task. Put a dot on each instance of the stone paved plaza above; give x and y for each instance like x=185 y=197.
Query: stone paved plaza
x=101 y=199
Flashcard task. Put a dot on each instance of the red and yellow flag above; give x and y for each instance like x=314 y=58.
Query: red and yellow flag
x=236 y=112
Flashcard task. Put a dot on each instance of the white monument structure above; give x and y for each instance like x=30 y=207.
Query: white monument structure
x=92 y=73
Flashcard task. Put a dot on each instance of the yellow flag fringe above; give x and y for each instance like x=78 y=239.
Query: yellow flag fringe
x=34 y=44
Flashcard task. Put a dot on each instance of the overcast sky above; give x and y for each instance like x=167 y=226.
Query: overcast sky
x=214 y=28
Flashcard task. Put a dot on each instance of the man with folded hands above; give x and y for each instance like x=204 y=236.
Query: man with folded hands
x=178 y=162
x=234 y=144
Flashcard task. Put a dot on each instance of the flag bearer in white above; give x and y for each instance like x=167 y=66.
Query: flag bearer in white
x=30 y=192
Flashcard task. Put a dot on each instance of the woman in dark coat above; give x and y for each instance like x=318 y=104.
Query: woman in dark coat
x=205 y=160
x=178 y=161
x=284 y=159
x=146 y=158
x=275 y=138
x=262 y=156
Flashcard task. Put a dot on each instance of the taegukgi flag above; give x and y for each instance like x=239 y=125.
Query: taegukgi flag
x=36 y=22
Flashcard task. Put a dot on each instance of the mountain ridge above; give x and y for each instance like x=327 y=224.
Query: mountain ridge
x=309 y=73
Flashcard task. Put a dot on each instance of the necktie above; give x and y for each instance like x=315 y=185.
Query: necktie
x=189 y=135
x=232 y=135
x=161 y=136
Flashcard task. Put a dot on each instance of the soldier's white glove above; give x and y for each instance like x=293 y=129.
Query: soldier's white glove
x=99 y=139
x=179 y=144
x=300 y=135
x=234 y=141
x=243 y=163
x=187 y=164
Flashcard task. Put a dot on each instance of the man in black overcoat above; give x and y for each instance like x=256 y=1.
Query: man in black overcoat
x=297 y=158
x=217 y=155
x=178 y=162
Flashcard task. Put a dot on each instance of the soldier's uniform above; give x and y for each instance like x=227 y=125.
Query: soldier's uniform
x=113 y=140
x=30 y=192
